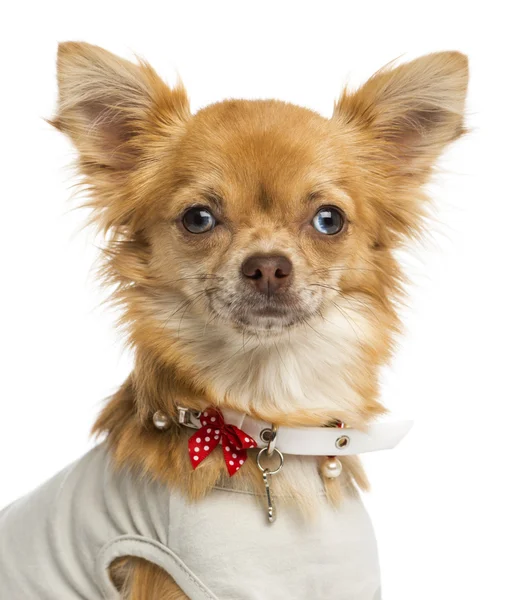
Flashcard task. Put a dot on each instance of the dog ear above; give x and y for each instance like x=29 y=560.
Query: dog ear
x=413 y=111
x=107 y=103
x=120 y=116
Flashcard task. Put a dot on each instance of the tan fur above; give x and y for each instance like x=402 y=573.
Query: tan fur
x=264 y=168
x=138 y=579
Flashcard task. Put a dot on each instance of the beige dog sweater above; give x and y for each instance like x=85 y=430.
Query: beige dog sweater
x=57 y=542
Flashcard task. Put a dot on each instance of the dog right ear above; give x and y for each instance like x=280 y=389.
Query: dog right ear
x=108 y=105
x=121 y=117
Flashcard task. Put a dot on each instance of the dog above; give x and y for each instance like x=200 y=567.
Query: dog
x=252 y=251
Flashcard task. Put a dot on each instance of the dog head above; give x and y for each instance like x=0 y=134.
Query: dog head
x=258 y=224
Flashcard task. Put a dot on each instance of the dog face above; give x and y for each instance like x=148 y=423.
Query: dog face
x=262 y=222
x=255 y=220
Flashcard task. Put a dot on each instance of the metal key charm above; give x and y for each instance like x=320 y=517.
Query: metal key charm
x=271 y=508
x=267 y=474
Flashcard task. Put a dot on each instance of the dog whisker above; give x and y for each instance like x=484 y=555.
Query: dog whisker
x=183 y=305
x=342 y=269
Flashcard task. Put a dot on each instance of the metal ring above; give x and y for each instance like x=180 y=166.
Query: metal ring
x=342 y=442
x=281 y=461
x=266 y=434
x=272 y=436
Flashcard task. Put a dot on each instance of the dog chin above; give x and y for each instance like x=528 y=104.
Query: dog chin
x=267 y=325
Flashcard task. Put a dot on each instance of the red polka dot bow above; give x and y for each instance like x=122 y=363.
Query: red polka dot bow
x=214 y=431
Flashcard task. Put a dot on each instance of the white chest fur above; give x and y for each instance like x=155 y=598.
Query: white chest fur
x=310 y=367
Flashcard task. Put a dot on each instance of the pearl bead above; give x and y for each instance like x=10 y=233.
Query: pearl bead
x=331 y=468
x=161 y=420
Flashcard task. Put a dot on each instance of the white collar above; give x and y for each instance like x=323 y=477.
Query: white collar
x=311 y=441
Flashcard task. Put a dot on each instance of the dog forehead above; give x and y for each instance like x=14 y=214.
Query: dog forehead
x=257 y=116
x=265 y=155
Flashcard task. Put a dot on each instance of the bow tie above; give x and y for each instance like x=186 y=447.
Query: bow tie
x=215 y=430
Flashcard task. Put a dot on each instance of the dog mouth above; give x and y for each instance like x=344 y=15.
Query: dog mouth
x=263 y=314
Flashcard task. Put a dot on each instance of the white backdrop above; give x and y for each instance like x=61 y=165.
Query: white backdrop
x=450 y=505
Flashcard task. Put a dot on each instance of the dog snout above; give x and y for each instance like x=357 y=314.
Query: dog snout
x=268 y=274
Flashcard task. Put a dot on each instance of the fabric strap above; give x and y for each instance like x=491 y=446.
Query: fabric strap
x=319 y=441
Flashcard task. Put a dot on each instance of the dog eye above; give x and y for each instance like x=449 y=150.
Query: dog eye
x=198 y=220
x=328 y=220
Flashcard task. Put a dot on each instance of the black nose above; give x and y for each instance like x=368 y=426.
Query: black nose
x=267 y=273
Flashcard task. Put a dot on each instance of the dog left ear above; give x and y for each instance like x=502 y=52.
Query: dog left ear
x=413 y=111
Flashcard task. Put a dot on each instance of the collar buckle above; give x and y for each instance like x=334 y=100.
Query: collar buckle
x=188 y=417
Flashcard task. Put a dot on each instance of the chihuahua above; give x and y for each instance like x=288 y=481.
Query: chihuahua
x=251 y=249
